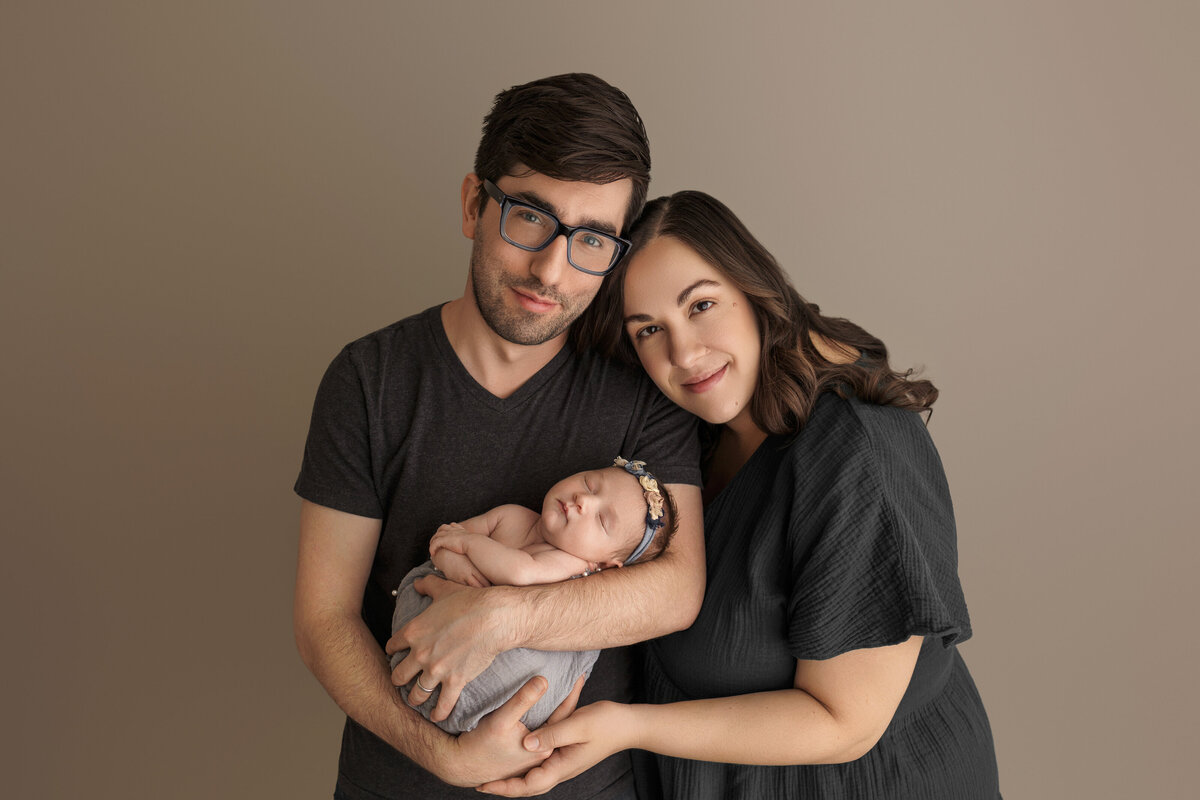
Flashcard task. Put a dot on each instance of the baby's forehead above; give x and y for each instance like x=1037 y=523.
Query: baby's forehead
x=622 y=488
x=616 y=479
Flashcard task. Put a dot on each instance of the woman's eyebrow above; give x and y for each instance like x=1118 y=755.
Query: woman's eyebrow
x=686 y=293
x=683 y=298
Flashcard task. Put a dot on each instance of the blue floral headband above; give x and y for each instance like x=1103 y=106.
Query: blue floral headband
x=654 y=503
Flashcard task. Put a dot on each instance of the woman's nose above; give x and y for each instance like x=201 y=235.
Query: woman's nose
x=685 y=348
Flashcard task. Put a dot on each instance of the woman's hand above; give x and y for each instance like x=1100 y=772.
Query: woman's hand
x=580 y=741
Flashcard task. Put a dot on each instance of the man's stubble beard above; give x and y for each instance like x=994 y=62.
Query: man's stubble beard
x=491 y=284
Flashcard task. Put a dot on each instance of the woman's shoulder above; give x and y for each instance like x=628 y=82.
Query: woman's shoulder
x=883 y=431
x=864 y=443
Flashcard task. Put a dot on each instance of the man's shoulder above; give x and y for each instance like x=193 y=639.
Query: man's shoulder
x=404 y=332
x=397 y=349
x=611 y=373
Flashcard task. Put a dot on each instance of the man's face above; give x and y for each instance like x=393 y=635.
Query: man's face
x=531 y=298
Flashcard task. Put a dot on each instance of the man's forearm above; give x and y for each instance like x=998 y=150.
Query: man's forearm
x=345 y=658
x=609 y=609
x=617 y=606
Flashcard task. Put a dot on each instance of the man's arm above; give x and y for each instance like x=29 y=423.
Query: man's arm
x=336 y=552
x=457 y=637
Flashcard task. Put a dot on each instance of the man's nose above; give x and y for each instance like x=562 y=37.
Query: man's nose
x=550 y=265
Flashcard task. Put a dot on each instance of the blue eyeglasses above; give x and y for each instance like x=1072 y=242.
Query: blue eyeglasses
x=533 y=229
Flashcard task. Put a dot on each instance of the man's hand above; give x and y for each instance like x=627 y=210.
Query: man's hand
x=450 y=642
x=496 y=748
x=579 y=741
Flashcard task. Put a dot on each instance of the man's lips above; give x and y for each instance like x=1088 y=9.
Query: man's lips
x=704 y=382
x=533 y=302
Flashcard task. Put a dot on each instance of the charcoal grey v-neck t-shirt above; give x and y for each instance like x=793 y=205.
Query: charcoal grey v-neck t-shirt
x=401 y=432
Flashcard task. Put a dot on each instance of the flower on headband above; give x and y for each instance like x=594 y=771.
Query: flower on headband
x=653 y=495
x=654 y=498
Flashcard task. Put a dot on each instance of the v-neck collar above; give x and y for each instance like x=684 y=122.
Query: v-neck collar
x=748 y=472
x=473 y=388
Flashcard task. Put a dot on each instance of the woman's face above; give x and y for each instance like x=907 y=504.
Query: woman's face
x=693 y=330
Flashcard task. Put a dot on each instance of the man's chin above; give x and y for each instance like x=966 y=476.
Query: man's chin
x=528 y=329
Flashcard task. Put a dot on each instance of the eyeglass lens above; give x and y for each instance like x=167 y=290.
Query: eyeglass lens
x=529 y=227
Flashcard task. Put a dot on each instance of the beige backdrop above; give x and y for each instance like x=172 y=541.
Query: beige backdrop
x=202 y=202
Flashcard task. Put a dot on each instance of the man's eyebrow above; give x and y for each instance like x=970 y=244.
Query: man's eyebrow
x=534 y=199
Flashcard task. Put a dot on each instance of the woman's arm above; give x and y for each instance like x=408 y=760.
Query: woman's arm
x=837 y=711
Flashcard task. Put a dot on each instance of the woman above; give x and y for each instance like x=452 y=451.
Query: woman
x=823 y=663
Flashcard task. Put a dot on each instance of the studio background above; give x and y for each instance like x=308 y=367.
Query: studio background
x=201 y=203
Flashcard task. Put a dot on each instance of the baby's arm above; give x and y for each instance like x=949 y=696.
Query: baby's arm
x=502 y=564
x=458 y=568
x=493 y=543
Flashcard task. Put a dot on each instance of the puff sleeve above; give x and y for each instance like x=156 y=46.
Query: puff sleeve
x=872 y=538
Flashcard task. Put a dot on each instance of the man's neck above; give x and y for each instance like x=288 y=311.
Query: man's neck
x=498 y=365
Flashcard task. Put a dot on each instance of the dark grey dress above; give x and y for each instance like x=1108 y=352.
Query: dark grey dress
x=841 y=539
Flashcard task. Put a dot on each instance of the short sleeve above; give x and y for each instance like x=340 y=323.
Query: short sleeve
x=336 y=471
x=874 y=555
x=668 y=440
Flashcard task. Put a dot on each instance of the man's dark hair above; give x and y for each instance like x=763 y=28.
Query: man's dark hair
x=572 y=127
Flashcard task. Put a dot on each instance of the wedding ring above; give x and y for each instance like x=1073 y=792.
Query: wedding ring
x=423 y=687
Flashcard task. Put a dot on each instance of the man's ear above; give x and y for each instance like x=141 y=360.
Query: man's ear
x=471 y=187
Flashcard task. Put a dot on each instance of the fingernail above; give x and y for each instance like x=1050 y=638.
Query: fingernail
x=532 y=743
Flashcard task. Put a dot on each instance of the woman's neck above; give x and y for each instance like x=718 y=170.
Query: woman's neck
x=734 y=448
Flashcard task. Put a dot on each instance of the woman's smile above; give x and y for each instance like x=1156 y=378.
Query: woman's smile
x=693 y=330
x=705 y=381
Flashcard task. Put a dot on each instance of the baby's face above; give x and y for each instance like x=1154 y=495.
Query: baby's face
x=598 y=515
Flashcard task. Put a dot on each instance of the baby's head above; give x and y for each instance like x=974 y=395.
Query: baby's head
x=605 y=515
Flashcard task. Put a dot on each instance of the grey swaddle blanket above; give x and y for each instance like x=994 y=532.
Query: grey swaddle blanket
x=500 y=681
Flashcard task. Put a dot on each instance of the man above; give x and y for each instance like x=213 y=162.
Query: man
x=476 y=403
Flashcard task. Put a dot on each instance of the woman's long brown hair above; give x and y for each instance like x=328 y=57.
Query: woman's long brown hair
x=792 y=372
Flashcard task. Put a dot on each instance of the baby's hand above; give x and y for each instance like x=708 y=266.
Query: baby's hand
x=449 y=536
x=459 y=569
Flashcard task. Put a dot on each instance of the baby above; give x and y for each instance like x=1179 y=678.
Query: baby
x=592 y=520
